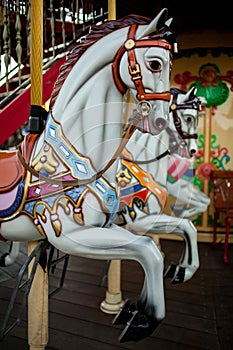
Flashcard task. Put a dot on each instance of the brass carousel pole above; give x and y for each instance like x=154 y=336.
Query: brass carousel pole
x=38 y=296
x=111 y=10
x=113 y=300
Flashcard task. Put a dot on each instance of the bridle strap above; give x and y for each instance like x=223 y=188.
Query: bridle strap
x=134 y=67
x=80 y=182
x=193 y=104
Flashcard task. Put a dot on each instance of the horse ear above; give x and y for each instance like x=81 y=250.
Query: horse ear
x=156 y=24
x=193 y=91
x=186 y=95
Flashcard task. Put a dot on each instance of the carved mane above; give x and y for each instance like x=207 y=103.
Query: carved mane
x=96 y=32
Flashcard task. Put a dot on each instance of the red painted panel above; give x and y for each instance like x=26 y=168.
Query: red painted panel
x=16 y=113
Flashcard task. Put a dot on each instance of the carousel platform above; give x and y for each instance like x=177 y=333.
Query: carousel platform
x=199 y=312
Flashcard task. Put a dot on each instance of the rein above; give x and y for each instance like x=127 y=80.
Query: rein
x=54 y=181
x=167 y=152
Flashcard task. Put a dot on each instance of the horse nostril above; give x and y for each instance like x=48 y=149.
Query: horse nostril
x=192 y=152
x=161 y=123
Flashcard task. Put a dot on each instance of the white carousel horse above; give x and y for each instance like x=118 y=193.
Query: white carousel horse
x=180 y=177
x=144 y=181
x=180 y=186
x=61 y=185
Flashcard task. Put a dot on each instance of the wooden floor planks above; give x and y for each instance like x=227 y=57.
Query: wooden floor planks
x=199 y=313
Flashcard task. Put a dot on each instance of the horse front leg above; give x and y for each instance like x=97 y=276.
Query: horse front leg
x=198 y=203
x=165 y=224
x=142 y=318
x=189 y=262
x=116 y=243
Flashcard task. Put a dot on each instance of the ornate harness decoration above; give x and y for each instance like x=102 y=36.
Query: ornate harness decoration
x=44 y=195
x=137 y=193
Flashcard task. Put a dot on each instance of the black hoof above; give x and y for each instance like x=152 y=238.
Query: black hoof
x=179 y=277
x=139 y=327
x=125 y=313
x=170 y=272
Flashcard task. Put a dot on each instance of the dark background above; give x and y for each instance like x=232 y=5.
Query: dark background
x=188 y=15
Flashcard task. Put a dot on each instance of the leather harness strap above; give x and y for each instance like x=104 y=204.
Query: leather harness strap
x=134 y=67
x=147 y=181
x=80 y=182
x=155 y=159
x=193 y=104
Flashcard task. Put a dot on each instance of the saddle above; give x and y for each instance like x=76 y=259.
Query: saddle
x=12 y=172
x=11 y=169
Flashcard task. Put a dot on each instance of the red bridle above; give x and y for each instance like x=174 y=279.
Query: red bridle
x=134 y=67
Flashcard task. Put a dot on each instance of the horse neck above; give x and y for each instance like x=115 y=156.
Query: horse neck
x=92 y=68
x=92 y=122
x=89 y=106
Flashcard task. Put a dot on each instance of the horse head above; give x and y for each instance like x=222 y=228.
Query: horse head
x=143 y=65
x=184 y=109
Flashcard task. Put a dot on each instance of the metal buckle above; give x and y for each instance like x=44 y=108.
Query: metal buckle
x=134 y=70
x=144 y=108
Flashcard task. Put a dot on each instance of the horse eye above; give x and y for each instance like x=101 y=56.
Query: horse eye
x=188 y=119
x=154 y=66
